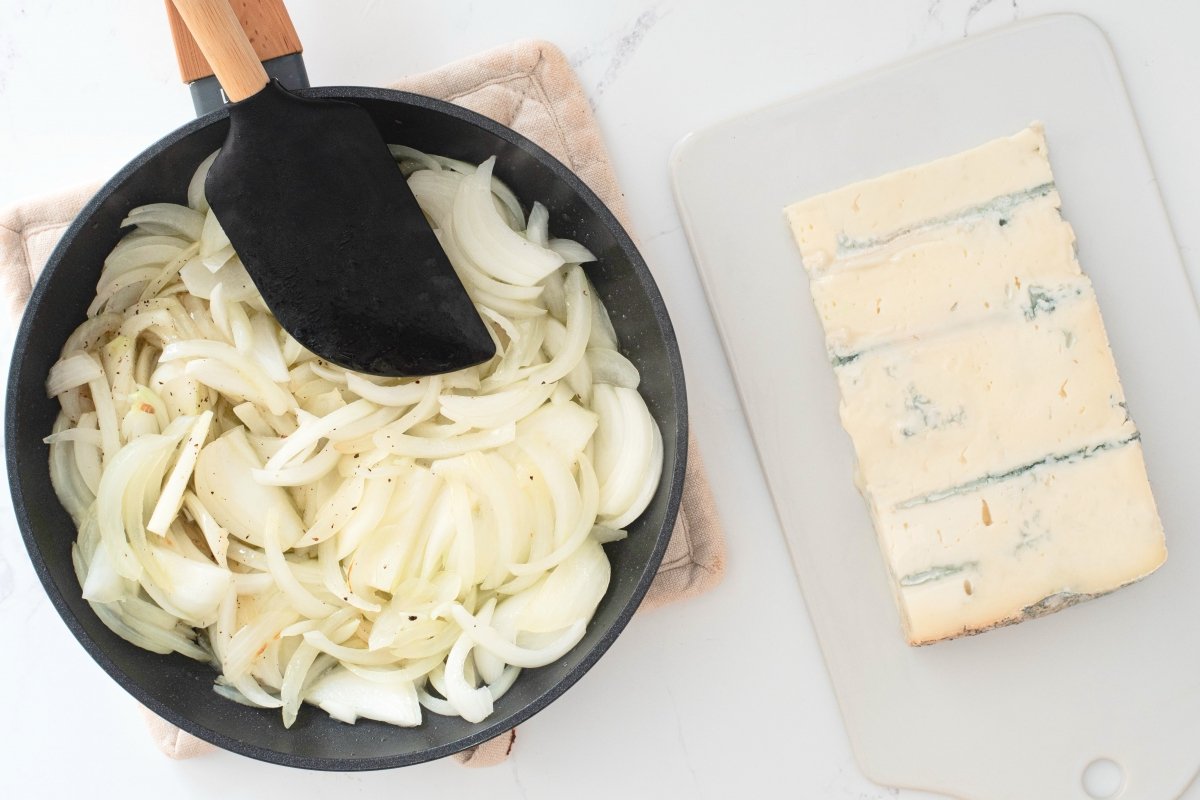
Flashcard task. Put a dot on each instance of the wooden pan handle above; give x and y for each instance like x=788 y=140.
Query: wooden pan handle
x=266 y=23
x=225 y=46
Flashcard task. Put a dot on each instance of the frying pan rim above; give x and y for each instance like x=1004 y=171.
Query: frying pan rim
x=486 y=731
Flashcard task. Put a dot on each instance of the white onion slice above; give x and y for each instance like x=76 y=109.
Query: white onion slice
x=195 y=191
x=609 y=366
x=72 y=370
x=472 y=704
x=537 y=229
x=435 y=192
x=171 y=498
x=311 y=432
x=403 y=153
x=570 y=251
x=570 y=349
x=215 y=248
x=486 y=637
x=303 y=473
x=276 y=399
x=346 y=697
x=166 y=219
x=487 y=240
x=498 y=409
x=420 y=447
x=568 y=593
x=224 y=478
x=302 y=599
x=405 y=394
x=137 y=253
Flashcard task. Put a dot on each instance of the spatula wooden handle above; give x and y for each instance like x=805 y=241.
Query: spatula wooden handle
x=266 y=23
x=217 y=31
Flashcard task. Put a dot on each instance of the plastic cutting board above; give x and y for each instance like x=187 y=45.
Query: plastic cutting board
x=1016 y=713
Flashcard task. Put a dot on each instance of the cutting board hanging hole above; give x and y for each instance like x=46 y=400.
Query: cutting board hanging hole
x=1104 y=779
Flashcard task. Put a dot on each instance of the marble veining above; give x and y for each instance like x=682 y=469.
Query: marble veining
x=619 y=48
x=934 y=12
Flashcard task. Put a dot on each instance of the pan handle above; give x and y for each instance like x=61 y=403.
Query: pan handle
x=225 y=45
x=272 y=35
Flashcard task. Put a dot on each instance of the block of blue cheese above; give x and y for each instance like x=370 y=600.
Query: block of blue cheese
x=1002 y=470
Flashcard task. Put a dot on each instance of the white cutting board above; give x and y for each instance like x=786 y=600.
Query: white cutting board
x=1017 y=713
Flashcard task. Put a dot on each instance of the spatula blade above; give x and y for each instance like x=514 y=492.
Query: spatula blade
x=335 y=241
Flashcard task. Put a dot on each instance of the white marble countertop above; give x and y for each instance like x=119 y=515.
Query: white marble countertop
x=721 y=696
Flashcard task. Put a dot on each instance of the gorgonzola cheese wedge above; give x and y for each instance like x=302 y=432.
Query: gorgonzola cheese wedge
x=1002 y=470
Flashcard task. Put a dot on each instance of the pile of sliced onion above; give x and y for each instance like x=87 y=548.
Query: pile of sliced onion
x=372 y=546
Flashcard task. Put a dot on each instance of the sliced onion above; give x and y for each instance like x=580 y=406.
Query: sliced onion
x=420 y=447
x=476 y=278
x=276 y=400
x=72 y=370
x=472 y=704
x=570 y=251
x=604 y=534
x=570 y=592
x=486 y=637
x=575 y=521
x=435 y=192
x=235 y=282
x=372 y=506
x=570 y=349
x=103 y=583
x=134 y=253
x=169 y=272
x=311 y=432
x=224 y=477
x=215 y=248
x=171 y=498
x=410 y=672
x=568 y=426
x=403 y=153
x=266 y=349
x=489 y=242
x=302 y=599
x=346 y=697
x=125 y=474
x=503 y=196
x=405 y=394
x=349 y=655
x=254 y=694
x=87 y=453
x=195 y=192
x=118 y=292
x=609 y=366
x=498 y=409
x=216 y=537
x=537 y=229
x=628 y=453
x=303 y=473
x=167 y=219
x=251 y=640
x=195 y=588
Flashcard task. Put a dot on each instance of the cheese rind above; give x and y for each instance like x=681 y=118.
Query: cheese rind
x=1003 y=473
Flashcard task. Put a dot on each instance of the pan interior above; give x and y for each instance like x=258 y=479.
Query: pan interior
x=180 y=689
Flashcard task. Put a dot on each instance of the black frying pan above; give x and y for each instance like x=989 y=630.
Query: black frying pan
x=179 y=689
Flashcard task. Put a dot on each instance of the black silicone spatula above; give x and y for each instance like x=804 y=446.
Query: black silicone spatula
x=325 y=223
